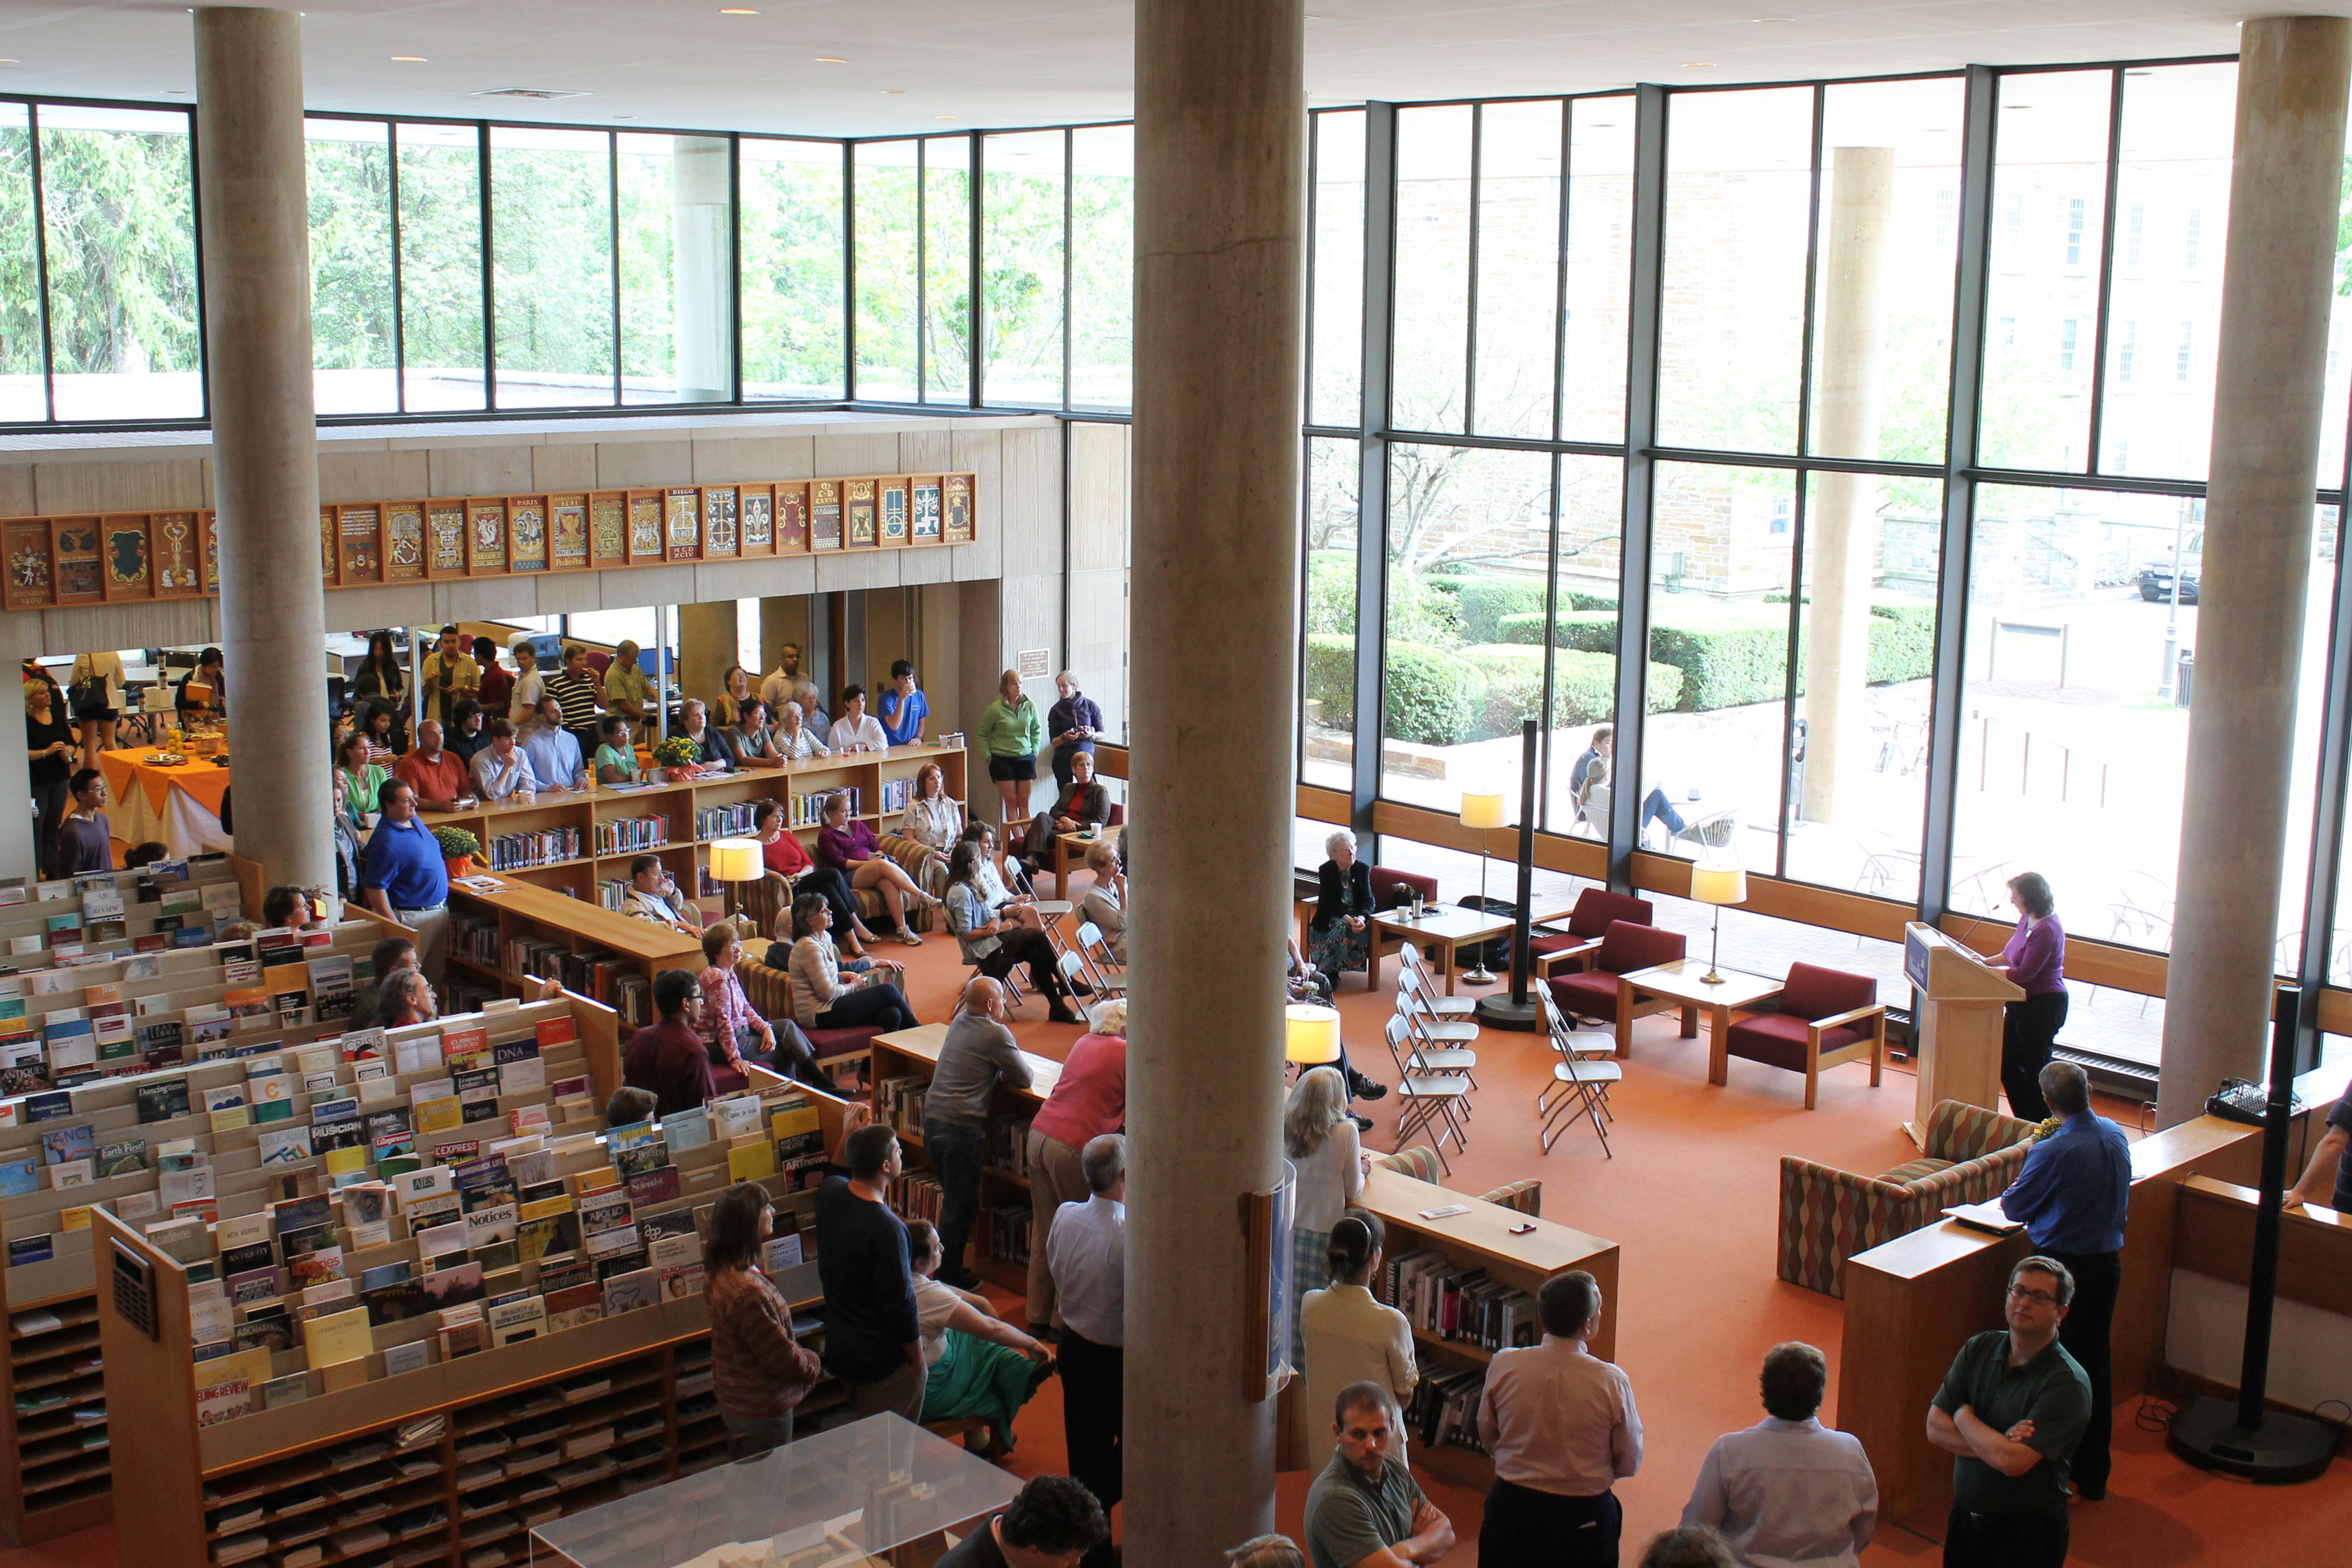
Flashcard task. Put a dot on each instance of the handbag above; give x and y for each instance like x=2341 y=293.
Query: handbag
x=88 y=695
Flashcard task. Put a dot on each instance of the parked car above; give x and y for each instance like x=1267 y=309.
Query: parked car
x=2155 y=576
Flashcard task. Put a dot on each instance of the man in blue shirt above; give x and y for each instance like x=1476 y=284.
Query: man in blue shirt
x=2072 y=1198
x=553 y=750
x=903 y=708
x=403 y=878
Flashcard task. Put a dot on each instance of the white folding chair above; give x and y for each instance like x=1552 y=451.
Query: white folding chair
x=1436 y=1053
x=1584 y=1085
x=1108 y=974
x=1073 y=968
x=1016 y=877
x=1426 y=1100
x=1414 y=996
x=1429 y=999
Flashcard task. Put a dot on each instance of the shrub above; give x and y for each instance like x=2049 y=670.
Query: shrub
x=1332 y=677
x=1513 y=676
x=1586 y=599
x=1331 y=591
x=1435 y=698
x=1584 y=686
x=1902 y=640
x=1485 y=601
x=1593 y=631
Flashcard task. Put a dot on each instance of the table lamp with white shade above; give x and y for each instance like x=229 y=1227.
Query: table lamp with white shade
x=735 y=859
x=1310 y=1035
x=1718 y=885
x=1482 y=812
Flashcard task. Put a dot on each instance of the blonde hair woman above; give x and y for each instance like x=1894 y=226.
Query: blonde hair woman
x=1106 y=902
x=1319 y=1136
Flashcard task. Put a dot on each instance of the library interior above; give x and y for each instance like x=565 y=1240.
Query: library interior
x=816 y=622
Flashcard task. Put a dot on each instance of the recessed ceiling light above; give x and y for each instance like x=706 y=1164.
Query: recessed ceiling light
x=1763 y=19
x=736 y=11
x=625 y=117
x=1698 y=64
x=410 y=60
x=830 y=60
x=894 y=92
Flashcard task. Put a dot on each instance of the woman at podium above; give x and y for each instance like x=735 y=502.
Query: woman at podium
x=2035 y=959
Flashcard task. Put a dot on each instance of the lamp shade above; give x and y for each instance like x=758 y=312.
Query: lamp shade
x=1718 y=884
x=1310 y=1034
x=735 y=860
x=1484 y=811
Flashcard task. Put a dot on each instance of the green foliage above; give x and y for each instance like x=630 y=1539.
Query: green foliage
x=1902 y=640
x=1332 y=677
x=1419 y=611
x=1331 y=591
x=456 y=842
x=791 y=261
x=121 y=248
x=351 y=255
x=1483 y=602
x=552 y=253
x=440 y=256
x=1435 y=698
x=1514 y=681
x=1732 y=654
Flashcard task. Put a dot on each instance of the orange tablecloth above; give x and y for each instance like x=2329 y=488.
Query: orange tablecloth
x=139 y=795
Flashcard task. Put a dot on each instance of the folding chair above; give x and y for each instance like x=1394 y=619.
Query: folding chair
x=1414 y=997
x=1434 y=1052
x=1430 y=1000
x=1107 y=974
x=1072 y=967
x=1426 y=1100
x=1578 y=1079
x=1016 y=877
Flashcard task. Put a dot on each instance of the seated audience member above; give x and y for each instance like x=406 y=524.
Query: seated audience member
x=145 y=854
x=653 y=896
x=850 y=848
x=1691 y=1546
x=980 y=1366
x=733 y=1029
x=628 y=690
x=1052 y=1520
x=1267 y=1551
x=438 y=774
x=469 y=732
x=780 y=853
x=553 y=750
x=759 y=1371
x=855 y=726
x=734 y=691
x=212 y=702
x=1365 y=1507
x=667 y=1056
x=85 y=839
x=286 y=907
x=993 y=944
x=530 y=682
x=1081 y=803
x=749 y=740
x=505 y=768
x=1106 y=902
x=793 y=740
x=616 y=754
x=1789 y=1490
x=406 y=999
x=1338 y=937
x=902 y=707
x=387 y=959
x=934 y=820
x=358 y=782
x=1351 y=1336
x=813 y=707
x=1018 y=906
x=497 y=686
x=695 y=727
x=820 y=1000
x=628 y=1106
x=1561 y=1427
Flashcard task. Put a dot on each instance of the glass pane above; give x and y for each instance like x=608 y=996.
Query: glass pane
x=2163 y=316
x=947 y=269
x=440 y=267
x=116 y=187
x=22 y=394
x=552 y=238
x=1712 y=758
x=1890 y=185
x=1739 y=166
x=349 y=166
x=1022 y=260
x=1334 y=282
x=2198 y=224
x=1102 y=267
x=1469 y=545
x=1326 y=728
x=1866 y=647
x=677 y=223
x=1584 y=659
x=1600 y=269
x=792 y=235
x=1519 y=268
x=2042 y=294
x=889 y=292
x=1429 y=338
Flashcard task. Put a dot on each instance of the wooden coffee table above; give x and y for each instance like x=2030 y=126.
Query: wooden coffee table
x=1066 y=845
x=1679 y=982
x=1450 y=928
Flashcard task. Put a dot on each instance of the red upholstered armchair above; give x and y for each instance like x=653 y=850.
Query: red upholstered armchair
x=1598 y=993
x=1384 y=885
x=1827 y=1018
x=1596 y=909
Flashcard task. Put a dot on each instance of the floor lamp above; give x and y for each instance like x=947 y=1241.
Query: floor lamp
x=733 y=861
x=1718 y=885
x=1479 y=813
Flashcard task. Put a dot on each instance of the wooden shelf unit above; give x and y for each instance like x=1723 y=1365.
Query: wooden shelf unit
x=521 y=910
x=56 y=1468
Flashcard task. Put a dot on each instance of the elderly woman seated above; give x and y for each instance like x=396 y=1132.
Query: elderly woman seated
x=1339 y=937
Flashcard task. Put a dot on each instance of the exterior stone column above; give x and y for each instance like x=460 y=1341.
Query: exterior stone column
x=2276 y=288
x=1220 y=203
x=273 y=603
x=703 y=275
x=1838 y=521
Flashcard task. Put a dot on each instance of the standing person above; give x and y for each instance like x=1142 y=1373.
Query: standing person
x=734 y=691
x=1789 y=1490
x=497 y=690
x=2072 y=1198
x=872 y=1335
x=783 y=683
x=850 y=848
x=819 y=999
x=2011 y=1411
x=1365 y=1511
x=437 y=775
x=1087 y=1252
x=403 y=876
x=628 y=690
x=212 y=702
x=2327 y=1179
x=359 y=780
x=993 y=937
x=1338 y=936
x=503 y=767
x=782 y=854
x=976 y=1056
x=1052 y=1522
x=1561 y=1426
x=530 y=682
x=1074 y=722
x=1352 y=1336
x=733 y=1030
x=855 y=726
x=1088 y=1099
x=556 y=759
x=381 y=677
x=96 y=683
x=903 y=708
x=1319 y=1138
x=667 y=1056
x=2034 y=957
x=577 y=695
x=49 y=751
x=1009 y=734
x=387 y=959
x=85 y=839
x=449 y=675
x=758 y=1369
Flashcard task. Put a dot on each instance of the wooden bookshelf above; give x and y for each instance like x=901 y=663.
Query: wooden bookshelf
x=522 y=910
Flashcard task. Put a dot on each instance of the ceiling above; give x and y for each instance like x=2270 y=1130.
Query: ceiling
x=939 y=65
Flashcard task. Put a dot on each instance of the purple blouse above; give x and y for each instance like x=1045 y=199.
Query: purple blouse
x=2036 y=956
x=841 y=848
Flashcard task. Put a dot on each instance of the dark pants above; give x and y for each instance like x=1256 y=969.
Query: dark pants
x=955 y=1151
x=750 y=1439
x=833 y=887
x=1024 y=946
x=1094 y=1404
x=2005 y=1539
x=885 y=1006
x=1527 y=1526
x=53 y=800
x=1656 y=808
x=2097 y=1277
x=793 y=1057
x=2029 y=1029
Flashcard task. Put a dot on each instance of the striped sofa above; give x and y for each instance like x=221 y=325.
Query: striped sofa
x=1829 y=1214
x=769 y=900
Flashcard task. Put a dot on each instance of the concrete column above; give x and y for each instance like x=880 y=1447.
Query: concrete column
x=702 y=272
x=273 y=603
x=1220 y=198
x=1838 y=522
x=18 y=850
x=2276 y=288
x=706 y=646
x=782 y=620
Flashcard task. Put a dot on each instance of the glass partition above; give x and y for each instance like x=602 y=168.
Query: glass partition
x=1102 y=266
x=677 y=268
x=23 y=386
x=885 y=212
x=948 y=282
x=441 y=304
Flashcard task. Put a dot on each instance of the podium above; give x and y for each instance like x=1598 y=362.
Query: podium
x=1958 y=1026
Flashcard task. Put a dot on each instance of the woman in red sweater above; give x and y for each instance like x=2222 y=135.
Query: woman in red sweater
x=758 y=1370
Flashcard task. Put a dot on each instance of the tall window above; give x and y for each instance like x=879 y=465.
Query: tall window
x=792 y=304
x=1328 y=660
x=1429 y=378
x=2074 y=231
x=1599 y=266
x=354 y=339
x=24 y=390
x=441 y=304
x=890 y=274
x=678 y=285
x=1023 y=191
x=551 y=252
x=1335 y=283
x=1518 y=273
x=1102 y=266
x=947 y=269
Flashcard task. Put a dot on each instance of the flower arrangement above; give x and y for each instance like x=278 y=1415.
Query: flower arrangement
x=2048 y=1129
x=457 y=843
x=677 y=752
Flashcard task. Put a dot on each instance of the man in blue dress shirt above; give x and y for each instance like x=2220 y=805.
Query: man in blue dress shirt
x=2072 y=1198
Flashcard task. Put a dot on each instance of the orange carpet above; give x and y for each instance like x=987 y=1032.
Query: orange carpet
x=1692 y=1198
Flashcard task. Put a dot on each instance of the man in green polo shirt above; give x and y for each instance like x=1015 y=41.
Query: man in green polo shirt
x=2012 y=1410
x=1365 y=1511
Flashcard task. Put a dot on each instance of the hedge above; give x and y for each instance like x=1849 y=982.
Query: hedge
x=1733 y=654
x=1437 y=698
x=1485 y=601
x=1332 y=677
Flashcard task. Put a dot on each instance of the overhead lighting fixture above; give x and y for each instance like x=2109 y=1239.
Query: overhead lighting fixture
x=736 y=11
x=943 y=116
x=894 y=92
x=409 y=59
x=1761 y=20
x=534 y=92
x=830 y=60
x=1698 y=64
x=625 y=117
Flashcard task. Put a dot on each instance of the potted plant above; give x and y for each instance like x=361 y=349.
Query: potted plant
x=458 y=847
x=679 y=757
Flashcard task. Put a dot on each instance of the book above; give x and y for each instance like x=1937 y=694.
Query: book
x=515 y=1320
x=453 y=1286
x=573 y=1306
x=62 y=1145
x=463 y=1332
x=631 y=1292
x=1988 y=1218
x=337 y=1337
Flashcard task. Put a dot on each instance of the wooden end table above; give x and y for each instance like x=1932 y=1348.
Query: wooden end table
x=1064 y=845
x=1678 y=984
x=1450 y=927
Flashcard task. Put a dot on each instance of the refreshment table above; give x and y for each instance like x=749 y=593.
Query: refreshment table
x=177 y=805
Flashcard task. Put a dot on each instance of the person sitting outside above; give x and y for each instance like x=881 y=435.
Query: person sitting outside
x=792 y=739
x=903 y=708
x=694 y=727
x=530 y=682
x=749 y=740
x=628 y=690
x=1106 y=902
x=1789 y=1490
x=578 y=695
x=993 y=944
x=85 y=841
x=498 y=687
x=820 y=1000
x=759 y=1371
x=554 y=751
x=628 y=1107
x=438 y=774
x=653 y=896
x=667 y=1056
x=616 y=754
x=469 y=734
x=855 y=728
x=850 y=848
x=359 y=783
x=782 y=854
x=505 y=768
x=731 y=1027
x=1052 y=1521
x=1365 y=1509
x=980 y=1367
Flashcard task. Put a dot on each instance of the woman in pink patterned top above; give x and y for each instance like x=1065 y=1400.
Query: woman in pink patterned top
x=851 y=849
x=2035 y=959
x=733 y=1029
